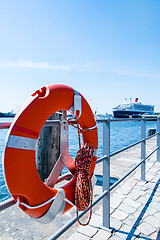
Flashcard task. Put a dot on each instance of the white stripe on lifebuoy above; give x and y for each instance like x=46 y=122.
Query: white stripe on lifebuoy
x=22 y=143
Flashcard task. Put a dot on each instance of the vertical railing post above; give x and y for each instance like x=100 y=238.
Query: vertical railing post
x=158 y=139
x=106 y=173
x=143 y=149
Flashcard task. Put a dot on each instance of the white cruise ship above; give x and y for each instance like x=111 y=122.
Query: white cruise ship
x=132 y=109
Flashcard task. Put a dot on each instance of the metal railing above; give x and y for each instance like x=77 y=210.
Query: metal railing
x=106 y=167
x=106 y=159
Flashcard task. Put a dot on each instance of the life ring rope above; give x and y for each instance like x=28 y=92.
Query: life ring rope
x=18 y=202
x=81 y=130
x=41 y=205
x=34 y=207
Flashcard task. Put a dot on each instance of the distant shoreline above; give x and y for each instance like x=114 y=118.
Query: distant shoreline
x=4 y=115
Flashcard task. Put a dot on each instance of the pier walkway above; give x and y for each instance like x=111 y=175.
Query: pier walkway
x=135 y=207
x=135 y=204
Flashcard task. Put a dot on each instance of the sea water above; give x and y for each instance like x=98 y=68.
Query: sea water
x=122 y=135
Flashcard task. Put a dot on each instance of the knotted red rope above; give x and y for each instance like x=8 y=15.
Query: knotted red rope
x=83 y=190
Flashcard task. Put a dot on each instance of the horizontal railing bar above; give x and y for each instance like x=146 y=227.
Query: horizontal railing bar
x=132 y=119
x=132 y=145
x=132 y=170
x=64 y=176
x=101 y=159
x=125 y=148
x=152 y=153
x=57 y=122
x=153 y=135
x=7 y=203
x=125 y=119
x=103 y=120
x=73 y=220
x=126 y=175
x=49 y=123
x=5 y=125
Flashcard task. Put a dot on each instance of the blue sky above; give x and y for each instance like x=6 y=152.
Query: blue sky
x=107 y=50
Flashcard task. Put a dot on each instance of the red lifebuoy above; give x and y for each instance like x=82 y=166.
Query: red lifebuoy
x=34 y=197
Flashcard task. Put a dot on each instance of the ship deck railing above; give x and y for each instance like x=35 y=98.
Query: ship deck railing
x=106 y=166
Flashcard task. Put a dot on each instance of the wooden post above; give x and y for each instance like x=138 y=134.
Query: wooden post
x=48 y=148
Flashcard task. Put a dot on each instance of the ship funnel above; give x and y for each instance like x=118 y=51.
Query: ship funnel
x=136 y=100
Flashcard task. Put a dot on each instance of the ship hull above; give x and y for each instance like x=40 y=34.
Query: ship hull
x=127 y=114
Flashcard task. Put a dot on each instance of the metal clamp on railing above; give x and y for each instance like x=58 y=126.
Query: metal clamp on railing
x=76 y=108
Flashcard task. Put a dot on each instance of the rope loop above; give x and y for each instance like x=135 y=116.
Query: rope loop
x=80 y=130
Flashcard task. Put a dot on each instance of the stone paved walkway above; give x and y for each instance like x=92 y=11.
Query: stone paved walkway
x=135 y=209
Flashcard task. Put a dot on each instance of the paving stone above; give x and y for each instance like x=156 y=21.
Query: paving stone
x=132 y=203
x=157 y=164
x=96 y=221
x=157 y=194
x=97 y=190
x=143 y=188
x=132 y=182
x=155 y=198
x=87 y=230
x=149 y=191
x=112 y=210
x=120 y=215
x=115 y=202
x=143 y=199
x=157 y=215
x=78 y=236
x=154 y=169
x=146 y=229
x=153 y=236
x=150 y=185
x=119 y=195
x=115 y=223
x=137 y=213
x=141 y=183
x=141 y=208
x=151 y=211
x=130 y=220
x=129 y=230
x=102 y=235
x=114 y=237
x=149 y=177
x=122 y=235
x=99 y=211
x=153 y=221
x=126 y=208
x=156 y=178
x=125 y=189
x=158 y=189
x=134 y=195
x=155 y=205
